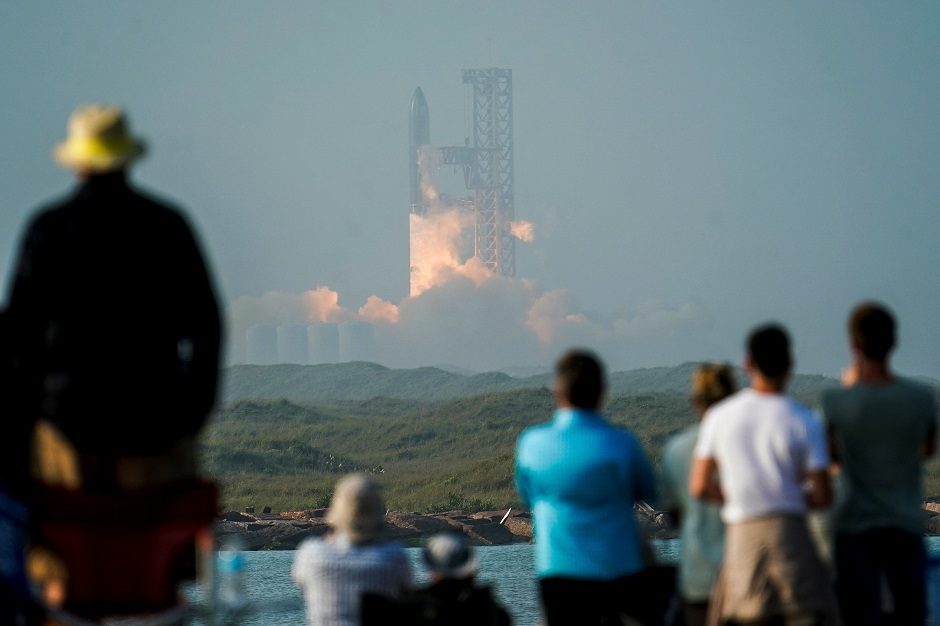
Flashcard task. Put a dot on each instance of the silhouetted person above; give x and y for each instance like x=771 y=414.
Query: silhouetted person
x=700 y=527
x=881 y=428
x=581 y=477
x=114 y=321
x=755 y=452
x=15 y=601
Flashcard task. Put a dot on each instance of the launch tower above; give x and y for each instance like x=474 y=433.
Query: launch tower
x=486 y=160
x=493 y=185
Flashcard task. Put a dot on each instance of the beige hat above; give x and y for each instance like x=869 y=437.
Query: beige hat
x=357 y=509
x=98 y=141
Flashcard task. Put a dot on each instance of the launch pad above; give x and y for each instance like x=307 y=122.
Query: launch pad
x=486 y=160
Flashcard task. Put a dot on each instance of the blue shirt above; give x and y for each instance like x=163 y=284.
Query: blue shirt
x=580 y=476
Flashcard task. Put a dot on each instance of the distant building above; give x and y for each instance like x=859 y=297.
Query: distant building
x=261 y=344
x=356 y=341
x=292 y=344
x=322 y=344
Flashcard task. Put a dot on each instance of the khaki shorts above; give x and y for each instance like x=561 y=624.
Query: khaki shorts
x=771 y=569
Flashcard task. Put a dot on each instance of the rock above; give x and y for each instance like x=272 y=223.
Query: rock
x=520 y=527
x=286 y=530
x=933 y=525
x=932 y=507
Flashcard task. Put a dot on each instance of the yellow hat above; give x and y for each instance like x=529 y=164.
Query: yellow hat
x=98 y=141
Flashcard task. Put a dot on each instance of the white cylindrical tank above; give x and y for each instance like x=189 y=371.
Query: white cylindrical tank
x=261 y=344
x=322 y=344
x=292 y=344
x=356 y=341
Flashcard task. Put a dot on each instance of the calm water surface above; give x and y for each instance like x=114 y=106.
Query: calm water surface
x=509 y=569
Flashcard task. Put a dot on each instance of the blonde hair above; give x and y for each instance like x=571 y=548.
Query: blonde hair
x=712 y=382
x=357 y=509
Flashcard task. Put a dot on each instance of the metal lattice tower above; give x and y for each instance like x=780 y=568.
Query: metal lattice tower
x=492 y=178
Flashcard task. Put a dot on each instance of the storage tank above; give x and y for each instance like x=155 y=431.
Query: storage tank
x=292 y=344
x=261 y=344
x=322 y=344
x=356 y=341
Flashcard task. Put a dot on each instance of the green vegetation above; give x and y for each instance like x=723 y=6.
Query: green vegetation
x=432 y=448
x=345 y=382
x=430 y=457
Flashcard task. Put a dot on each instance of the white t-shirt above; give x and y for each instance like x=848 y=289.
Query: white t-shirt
x=764 y=444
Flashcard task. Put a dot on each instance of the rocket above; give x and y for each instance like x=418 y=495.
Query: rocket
x=419 y=134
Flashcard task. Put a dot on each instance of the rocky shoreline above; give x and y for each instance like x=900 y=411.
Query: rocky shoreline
x=283 y=531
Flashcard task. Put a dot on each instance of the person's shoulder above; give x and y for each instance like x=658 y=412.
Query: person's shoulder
x=309 y=545
x=676 y=450
x=799 y=410
x=158 y=205
x=681 y=442
x=732 y=405
x=915 y=388
x=51 y=212
x=535 y=431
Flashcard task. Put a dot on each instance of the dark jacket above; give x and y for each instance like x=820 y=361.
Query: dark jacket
x=444 y=603
x=114 y=321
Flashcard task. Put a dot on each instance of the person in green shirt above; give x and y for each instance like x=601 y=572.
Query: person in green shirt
x=881 y=428
x=700 y=527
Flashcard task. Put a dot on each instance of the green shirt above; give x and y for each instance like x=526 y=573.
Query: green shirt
x=701 y=529
x=879 y=431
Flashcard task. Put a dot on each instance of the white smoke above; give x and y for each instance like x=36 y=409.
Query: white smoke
x=378 y=310
x=485 y=324
x=460 y=312
x=522 y=230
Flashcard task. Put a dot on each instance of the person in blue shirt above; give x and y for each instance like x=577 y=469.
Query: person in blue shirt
x=581 y=477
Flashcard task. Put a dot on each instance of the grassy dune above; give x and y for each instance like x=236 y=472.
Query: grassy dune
x=431 y=451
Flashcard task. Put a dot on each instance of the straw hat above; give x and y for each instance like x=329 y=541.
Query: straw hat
x=357 y=509
x=98 y=141
x=449 y=556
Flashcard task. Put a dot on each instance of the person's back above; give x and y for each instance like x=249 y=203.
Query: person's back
x=453 y=598
x=701 y=530
x=336 y=572
x=581 y=477
x=117 y=331
x=879 y=432
x=118 y=318
x=881 y=429
x=764 y=457
x=761 y=439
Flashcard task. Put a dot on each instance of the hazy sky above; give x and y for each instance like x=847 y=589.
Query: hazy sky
x=691 y=169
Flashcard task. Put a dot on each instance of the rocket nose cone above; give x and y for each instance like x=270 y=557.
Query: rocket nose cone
x=418 y=103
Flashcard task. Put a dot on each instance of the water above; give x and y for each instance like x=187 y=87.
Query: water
x=509 y=569
x=276 y=601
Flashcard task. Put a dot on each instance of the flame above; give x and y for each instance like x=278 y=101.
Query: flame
x=436 y=240
x=522 y=230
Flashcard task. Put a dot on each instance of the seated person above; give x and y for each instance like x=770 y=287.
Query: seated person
x=334 y=572
x=452 y=598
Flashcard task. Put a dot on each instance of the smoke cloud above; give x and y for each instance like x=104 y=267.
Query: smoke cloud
x=461 y=313
x=522 y=230
x=478 y=320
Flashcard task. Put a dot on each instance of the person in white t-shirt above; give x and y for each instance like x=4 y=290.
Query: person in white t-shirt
x=764 y=456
